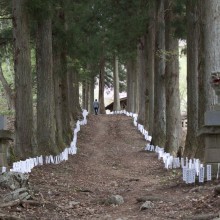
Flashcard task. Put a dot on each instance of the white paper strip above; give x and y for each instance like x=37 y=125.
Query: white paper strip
x=218 y=171
x=201 y=174
x=3 y=169
x=209 y=172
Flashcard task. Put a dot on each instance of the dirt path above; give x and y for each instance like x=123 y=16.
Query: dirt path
x=111 y=161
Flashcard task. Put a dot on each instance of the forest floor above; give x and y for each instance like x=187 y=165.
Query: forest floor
x=111 y=161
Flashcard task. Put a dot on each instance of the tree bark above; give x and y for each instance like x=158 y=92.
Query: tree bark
x=23 y=81
x=159 y=130
x=72 y=80
x=7 y=90
x=46 y=124
x=91 y=93
x=191 y=143
x=204 y=87
x=102 y=86
x=84 y=94
x=116 y=106
x=212 y=43
x=136 y=82
x=173 y=120
x=70 y=91
x=150 y=51
x=67 y=132
x=87 y=95
x=77 y=108
x=142 y=80
x=58 y=97
x=131 y=75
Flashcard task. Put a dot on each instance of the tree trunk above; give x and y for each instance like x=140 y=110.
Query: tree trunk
x=142 y=80
x=116 y=106
x=23 y=81
x=131 y=75
x=7 y=90
x=70 y=91
x=129 y=85
x=204 y=87
x=77 y=108
x=211 y=50
x=91 y=93
x=84 y=94
x=150 y=50
x=87 y=95
x=159 y=130
x=191 y=143
x=102 y=86
x=173 y=121
x=58 y=98
x=67 y=132
x=72 y=81
x=136 y=81
x=46 y=124
x=212 y=43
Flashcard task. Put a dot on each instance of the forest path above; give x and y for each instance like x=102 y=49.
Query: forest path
x=110 y=161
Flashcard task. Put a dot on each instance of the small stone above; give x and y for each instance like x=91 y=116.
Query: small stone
x=114 y=184
x=149 y=198
x=107 y=217
x=147 y=205
x=115 y=200
x=73 y=203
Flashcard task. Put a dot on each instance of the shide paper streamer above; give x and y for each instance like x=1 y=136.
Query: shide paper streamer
x=192 y=169
x=25 y=166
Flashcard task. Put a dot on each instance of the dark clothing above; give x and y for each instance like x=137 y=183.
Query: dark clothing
x=96 y=110
x=96 y=106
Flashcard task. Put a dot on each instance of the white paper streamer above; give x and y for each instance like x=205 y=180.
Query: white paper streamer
x=209 y=172
x=218 y=171
x=201 y=174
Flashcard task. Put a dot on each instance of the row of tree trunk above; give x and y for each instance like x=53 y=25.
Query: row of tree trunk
x=57 y=87
x=153 y=78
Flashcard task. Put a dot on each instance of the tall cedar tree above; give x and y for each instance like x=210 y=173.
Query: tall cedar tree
x=46 y=124
x=173 y=122
x=23 y=81
x=159 y=131
x=191 y=143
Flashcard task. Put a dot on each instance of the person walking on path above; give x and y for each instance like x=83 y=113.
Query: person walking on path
x=96 y=106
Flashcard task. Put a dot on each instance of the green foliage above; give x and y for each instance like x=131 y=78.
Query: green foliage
x=89 y=29
x=5 y=35
x=5 y=8
x=179 y=24
x=39 y=9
